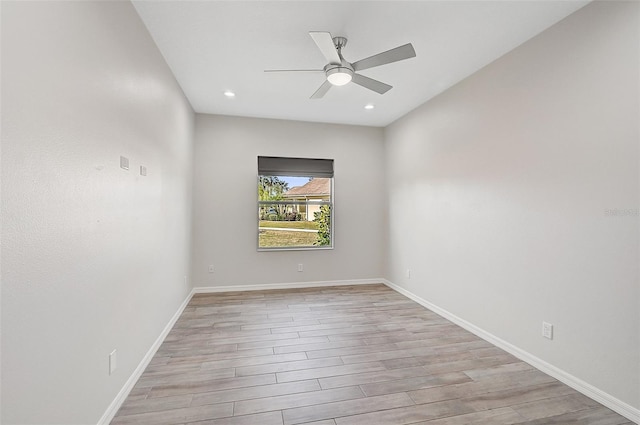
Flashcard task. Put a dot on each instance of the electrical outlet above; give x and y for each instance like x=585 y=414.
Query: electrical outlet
x=408 y=273
x=300 y=267
x=112 y=362
x=211 y=269
x=547 y=330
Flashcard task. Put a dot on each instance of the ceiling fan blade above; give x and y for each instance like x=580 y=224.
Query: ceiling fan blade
x=324 y=41
x=393 y=55
x=294 y=70
x=371 y=84
x=324 y=88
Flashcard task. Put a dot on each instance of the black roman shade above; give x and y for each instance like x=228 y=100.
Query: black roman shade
x=297 y=167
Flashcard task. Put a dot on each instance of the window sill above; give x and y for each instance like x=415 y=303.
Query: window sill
x=297 y=248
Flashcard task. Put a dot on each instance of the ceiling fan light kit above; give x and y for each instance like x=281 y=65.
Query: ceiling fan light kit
x=339 y=75
x=339 y=72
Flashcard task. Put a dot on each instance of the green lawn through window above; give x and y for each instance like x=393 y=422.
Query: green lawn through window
x=310 y=225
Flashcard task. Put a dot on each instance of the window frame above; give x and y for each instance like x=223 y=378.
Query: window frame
x=331 y=204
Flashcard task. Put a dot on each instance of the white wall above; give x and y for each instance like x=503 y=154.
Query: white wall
x=499 y=190
x=225 y=201
x=93 y=257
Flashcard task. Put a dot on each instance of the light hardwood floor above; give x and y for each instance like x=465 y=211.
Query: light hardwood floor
x=345 y=355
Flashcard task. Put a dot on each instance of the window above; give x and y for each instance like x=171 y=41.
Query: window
x=295 y=203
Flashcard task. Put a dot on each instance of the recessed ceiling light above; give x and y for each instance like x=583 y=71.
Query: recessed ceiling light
x=229 y=93
x=369 y=106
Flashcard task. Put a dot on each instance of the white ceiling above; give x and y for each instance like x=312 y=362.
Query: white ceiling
x=213 y=46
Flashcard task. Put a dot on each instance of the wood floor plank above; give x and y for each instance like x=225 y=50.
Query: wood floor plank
x=408 y=415
x=414 y=383
x=371 y=377
x=347 y=355
x=208 y=333
x=596 y=416
x=375 y=356
x=288 y=366
x=177 y=416
x=339 y=409
x=166 y=350
x=203 y=358
x=322 y=372
x=554 y=406
x=296 y=400
x=312 y=349
x=342 y=349
x=306 y=327
x=443 y=345
x=401 y=363
x=195 y=387
x=256 y=338
x=499 y=367
x=475 y=366
x=470 y=389
x=325 y=422
x=181 y=377
x=249 y=393
x=282 y=342
x=502 y=398
x=276 y=326
x=133 y=406
x=270 y=418
x=357 y=329
x=252 y=361
x=430 y=358
x=501 y=416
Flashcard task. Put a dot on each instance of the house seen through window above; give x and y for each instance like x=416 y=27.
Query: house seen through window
x=295 y=203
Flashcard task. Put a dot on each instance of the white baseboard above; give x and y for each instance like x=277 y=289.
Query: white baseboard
x=131 y=382
x=267 y=286
x=577 y=384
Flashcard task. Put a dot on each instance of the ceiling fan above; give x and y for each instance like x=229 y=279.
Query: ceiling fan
x=340 y=72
